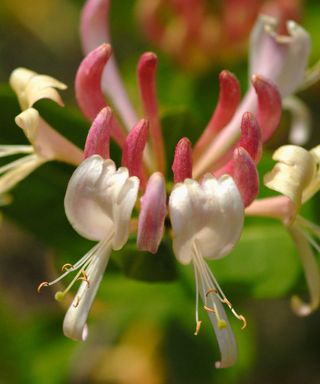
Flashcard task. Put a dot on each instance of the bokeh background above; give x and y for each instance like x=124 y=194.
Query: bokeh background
x=142 y=323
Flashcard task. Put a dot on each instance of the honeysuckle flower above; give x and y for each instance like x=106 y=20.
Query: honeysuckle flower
x=296 y=176
x=46 y=143
x=213 y=203
x=214 y=212
x=106 y=196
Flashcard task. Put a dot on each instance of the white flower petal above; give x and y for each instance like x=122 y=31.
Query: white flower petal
x=300 y=128
x=100 y=199
x=209 y=290
x=280 y=58
x=225 y=336
x=293 y=172
x=212 y=213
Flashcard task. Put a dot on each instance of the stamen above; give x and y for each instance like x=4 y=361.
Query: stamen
x=209 y=281
x=41 y=285
x=198 y=326
x=221 y=323
x=312 y=227
x=84 y=278
x=82 y=265
x=77 y=302
x=66 y=267
x=17 y=163
x=9 y=150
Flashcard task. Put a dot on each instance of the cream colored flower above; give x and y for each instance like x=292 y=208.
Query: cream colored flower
x=296 y=175
x=46 y=143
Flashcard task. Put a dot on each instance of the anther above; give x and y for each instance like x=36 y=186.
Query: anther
x=243 y=319
x=76 y=303
x=212 y=290
x=84 y=279
x=43 y=284
x=198 y=326
x=66 y=267
x=208 y=309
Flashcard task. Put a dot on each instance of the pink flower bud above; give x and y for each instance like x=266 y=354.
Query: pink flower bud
x=250 y=138
x=98 y=138
x=133 y=149
x=269 y=106
x=88 y=81
x=152 y=214
x=88 y=88
x=147 y=83
x=245 y=175
x=229 y=99
x=182 y=163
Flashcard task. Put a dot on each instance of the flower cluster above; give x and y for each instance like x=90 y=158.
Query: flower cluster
x=214 y=183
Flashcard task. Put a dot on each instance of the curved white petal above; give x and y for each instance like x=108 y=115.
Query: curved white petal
x=300 y=128
x=31 y=87
x=47 y=142
x=293 y=172
x=211 y=213
x=311 y=271
x=100 y=199
x=281 y=58
x=74 y=324
x=225 y=336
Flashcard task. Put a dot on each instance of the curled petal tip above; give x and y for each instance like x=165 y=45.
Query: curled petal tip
x=269 y=105
x=250 y=138
x=88 y=81
x=182 y=163
x=98 y=138
x=293 y=172
x=245 y=175
x=152 y=214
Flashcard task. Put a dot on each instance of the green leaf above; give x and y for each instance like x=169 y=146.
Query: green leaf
x=265 y=260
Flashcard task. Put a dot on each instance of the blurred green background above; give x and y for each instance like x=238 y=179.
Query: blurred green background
x=142 y=323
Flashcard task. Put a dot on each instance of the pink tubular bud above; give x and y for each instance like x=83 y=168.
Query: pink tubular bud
x=146 y=72
x=98 y=138
x=269 y=106
x=152 y=214
x=88 y=87
x=88 y=81
x=182 y=163
x=245 y=175
x=250 y=138
x=229 y=99
x=133 y=149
